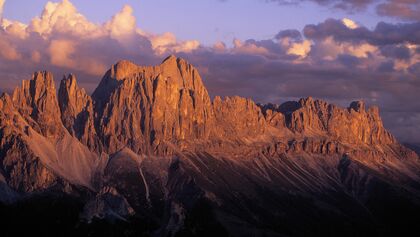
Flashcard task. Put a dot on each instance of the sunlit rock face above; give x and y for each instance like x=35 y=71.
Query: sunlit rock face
x=36 y=100
x=77 y=112
x=150 y=108
x=151 y=144
x=353 y=125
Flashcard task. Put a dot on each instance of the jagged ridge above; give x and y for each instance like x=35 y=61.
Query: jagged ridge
x=152 y=133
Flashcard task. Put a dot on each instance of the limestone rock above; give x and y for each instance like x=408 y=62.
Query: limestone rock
x=144 y=107
x=151 y=142
x=23 y=171
x=36 y=100
x=164 y=110
x=353 y=125
x=77 y=112
x=238 y=117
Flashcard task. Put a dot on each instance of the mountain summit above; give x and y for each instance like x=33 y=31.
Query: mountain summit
x=150 y=146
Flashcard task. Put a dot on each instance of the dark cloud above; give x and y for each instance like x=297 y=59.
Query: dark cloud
x=415 y=69
x=334 y=62
x=402 y=9
x=396 y=51
x=290 y=33
x=336 y=29
x=386 y=67
x=348 y=60
x=383 y=34
x=348 y=5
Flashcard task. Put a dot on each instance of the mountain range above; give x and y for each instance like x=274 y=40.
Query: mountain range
x=149 y=153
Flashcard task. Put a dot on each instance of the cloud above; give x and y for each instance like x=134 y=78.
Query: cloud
x=338 y=60
x=167 y=43
x=402 y=9
x=248 y=47
x=61 y=39
x=61 y=53
x=300 y=49
x=123 y=24
x=8 y=51
x=1 y=8
x=349 y=23
x=384 y=33
x=63 y=18
x=348 y=5
x=290 y=33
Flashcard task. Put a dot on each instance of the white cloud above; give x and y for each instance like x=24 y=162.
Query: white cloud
x=63 y=17
x=62 y=37
x=123 y=24
x=300 y=49
x=15 y=28
x=349 y=23
x=167 y=43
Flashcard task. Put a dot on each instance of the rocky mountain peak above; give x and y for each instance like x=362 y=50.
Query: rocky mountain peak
x=167 y=102
x=171 y=59
x=123 y=69
x=77 y=112
x=150 y=144
x=72 y=98
x=156 y=109
x=37 y=101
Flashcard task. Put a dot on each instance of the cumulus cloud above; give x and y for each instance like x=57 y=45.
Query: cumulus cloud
x=61 y=39
x=338 y=59
x=62 y=18
x=123 y=24
x=167 y=43
x=300 y=49
x=1 y=8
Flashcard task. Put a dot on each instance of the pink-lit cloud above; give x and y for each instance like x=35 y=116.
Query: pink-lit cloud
x=338 y=59
x=1 y=8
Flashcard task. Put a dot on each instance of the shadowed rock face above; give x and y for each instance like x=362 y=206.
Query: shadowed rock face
x=149 y=143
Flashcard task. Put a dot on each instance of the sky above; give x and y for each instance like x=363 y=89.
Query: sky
x=268 y=50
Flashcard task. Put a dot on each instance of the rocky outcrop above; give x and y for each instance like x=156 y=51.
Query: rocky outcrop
x=162 y=110
x=354 y=125
x=22 y=170
x=108 y=204
x=36 y=101
x=238 y=117
x=148 y=107
x=77 y=112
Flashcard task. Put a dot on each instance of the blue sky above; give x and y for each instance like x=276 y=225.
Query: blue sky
x=205 y=20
